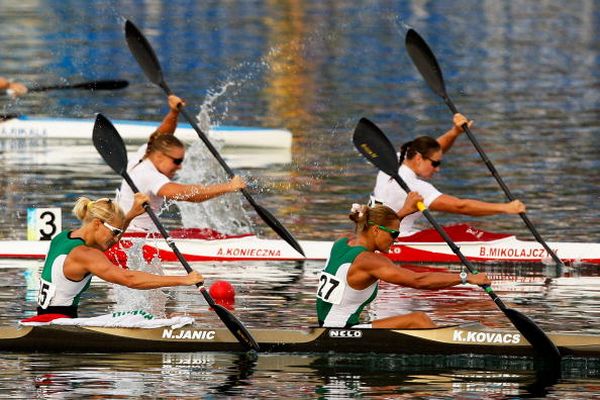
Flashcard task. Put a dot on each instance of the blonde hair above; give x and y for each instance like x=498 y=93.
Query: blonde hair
x=380 y=215
x=104 y=209
x=162 y=142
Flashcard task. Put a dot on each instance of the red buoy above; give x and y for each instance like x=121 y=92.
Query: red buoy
x=223 y=293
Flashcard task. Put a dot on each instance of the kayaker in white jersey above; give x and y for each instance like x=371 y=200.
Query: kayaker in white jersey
x=16 y=88
x=75 y=256
x=154 y=166
x=349 y=281
x=420 y=159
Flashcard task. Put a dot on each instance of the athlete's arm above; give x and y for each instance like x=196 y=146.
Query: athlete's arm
x=476 y=208
x=83 y=260
x=368 y=267
x=198 y=193
x=447 y=139
x=169 y=122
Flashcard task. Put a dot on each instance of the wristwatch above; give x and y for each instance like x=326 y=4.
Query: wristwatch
x=463 y=277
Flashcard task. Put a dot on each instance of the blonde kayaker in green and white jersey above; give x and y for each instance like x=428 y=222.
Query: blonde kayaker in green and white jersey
x=349 y=281
x=75 y=256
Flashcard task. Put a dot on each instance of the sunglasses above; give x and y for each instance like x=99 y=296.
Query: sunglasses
x=393 y=233
x=434 y=163
x=176 y=161
x=114 y=230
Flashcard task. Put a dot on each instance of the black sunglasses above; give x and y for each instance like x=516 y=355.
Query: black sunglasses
x=434 y=163
x=176 y=161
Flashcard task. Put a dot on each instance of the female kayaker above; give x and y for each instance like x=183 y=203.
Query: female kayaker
x=154 y=166
x=420 y=159
x=351 y=276
x=75 y=256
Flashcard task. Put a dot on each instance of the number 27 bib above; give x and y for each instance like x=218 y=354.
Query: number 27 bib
x=331 y=289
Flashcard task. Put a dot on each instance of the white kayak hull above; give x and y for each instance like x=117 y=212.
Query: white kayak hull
x=503 y=249
x=138 y=131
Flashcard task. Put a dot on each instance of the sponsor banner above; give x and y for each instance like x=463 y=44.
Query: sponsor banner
x=345 y=333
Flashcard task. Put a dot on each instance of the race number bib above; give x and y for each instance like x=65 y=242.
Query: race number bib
x=331 y=289
x=45 y=293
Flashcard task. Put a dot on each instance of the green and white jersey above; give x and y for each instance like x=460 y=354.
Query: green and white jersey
x=338 y=305
x=55 y=288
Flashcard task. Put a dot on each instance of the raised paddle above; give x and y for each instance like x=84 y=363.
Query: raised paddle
x=110 y=145
x=91 y=85
x=372 y=143
x=426 y=63
x=146 y=58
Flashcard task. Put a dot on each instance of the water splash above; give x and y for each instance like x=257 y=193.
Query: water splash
x=224 y=213
x=153 y=300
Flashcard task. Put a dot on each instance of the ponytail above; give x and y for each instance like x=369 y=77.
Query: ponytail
x=362 y=214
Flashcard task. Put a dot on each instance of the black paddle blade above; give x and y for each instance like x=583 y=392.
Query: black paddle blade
x=372 y=143
x=236 y=327
x=143 y=53
x=109 y=144
x=425 y=61
x=278 y=227
x=541 y=343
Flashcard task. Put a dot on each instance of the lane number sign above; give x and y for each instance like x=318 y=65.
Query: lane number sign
x=43 y=223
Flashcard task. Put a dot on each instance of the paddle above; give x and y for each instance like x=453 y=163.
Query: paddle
x=426 y=63
x=91 y=85
x=146 y=58
x=372 y=143
x=110 y=145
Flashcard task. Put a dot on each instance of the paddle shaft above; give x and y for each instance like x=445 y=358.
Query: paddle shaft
x=537 y=338
x=91 y=85
x=111 y=147
x=505 y=188
x=377 y=148
x=449 y=241
x=427 y=64
x=146 y=58
x=234 y=325
x=261 y=211
x=167 y=237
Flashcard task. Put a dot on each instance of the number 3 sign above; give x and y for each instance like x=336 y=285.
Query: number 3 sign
x=43 y=223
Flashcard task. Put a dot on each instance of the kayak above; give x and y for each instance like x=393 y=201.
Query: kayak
x=472 y=338
x=423 y=247
x=24 y=127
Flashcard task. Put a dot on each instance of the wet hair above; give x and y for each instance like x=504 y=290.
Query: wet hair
x=162 y=142
x=379 y=215
x=104 y=209
x=425 y=145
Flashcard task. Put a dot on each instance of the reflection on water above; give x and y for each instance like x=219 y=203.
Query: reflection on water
x=251 y=376
x=527 y=73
